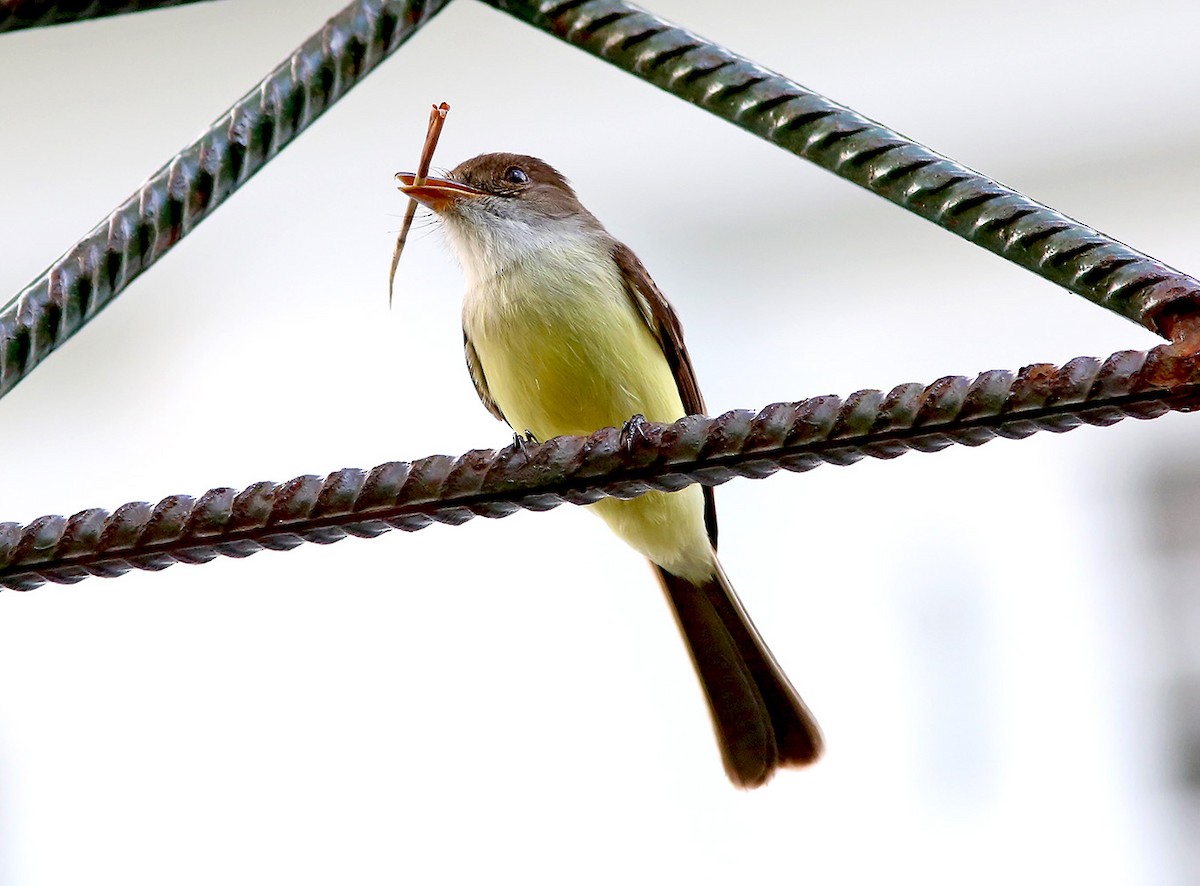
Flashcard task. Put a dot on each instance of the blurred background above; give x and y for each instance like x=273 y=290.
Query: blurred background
x=1000 y=643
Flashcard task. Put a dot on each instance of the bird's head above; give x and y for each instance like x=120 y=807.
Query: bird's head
x=500 y=208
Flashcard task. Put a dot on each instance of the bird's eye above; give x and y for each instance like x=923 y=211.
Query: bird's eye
x=516 y=175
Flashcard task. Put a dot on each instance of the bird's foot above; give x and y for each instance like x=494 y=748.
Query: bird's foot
x=522 y=442
x=633 y=432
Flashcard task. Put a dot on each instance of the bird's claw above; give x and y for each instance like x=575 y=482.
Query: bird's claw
x=633 y=431
x=522 y=442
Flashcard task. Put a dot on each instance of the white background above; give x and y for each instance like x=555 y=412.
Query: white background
x=507 y=701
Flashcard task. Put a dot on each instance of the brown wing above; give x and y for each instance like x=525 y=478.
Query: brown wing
x=664 y=323
x=480 y=380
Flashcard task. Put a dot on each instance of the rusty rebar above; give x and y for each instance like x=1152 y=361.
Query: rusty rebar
x=200 y=177
x=793 y=436
x=879 y=159
x=18 y=14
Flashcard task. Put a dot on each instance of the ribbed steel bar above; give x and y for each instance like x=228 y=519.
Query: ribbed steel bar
x=17 y=14
x=200 y=177
x=793 y=436
x=850 y=145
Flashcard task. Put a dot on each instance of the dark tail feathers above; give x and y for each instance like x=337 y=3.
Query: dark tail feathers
x=760 y=720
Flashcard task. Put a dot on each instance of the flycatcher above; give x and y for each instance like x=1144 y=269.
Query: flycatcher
x=565 y=333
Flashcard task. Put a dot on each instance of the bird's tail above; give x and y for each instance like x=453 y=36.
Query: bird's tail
x=760 y=720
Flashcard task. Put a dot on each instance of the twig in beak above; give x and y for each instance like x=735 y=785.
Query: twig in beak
x=437 y=117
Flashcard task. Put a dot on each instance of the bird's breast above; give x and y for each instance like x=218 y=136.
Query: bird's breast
x=563 y=348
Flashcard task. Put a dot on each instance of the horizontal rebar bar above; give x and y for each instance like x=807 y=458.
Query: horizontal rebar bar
x=17 y=14
x=200 y=177
x=879 y=159
x=793 y=436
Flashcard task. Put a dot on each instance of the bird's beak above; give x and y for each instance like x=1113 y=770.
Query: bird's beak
x=439 y=194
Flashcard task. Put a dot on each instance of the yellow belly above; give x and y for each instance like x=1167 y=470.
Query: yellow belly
x=566 y=352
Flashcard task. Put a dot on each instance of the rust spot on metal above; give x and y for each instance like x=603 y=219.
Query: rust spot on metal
x=1032 y=386
x=1039 y=373
x=1179 y=321
x=1173 y=366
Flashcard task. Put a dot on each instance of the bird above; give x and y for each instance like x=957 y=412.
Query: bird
x=565 y=332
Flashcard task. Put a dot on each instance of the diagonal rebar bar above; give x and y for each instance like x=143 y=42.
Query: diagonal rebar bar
x=18 y=14
x=200 y=177
x=793 y=436
x=860 y=150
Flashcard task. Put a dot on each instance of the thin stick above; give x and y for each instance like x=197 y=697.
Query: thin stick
x=437 y=117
